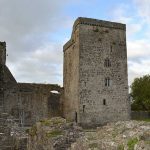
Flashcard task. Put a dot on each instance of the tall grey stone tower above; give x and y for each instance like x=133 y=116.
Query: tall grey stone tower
x=95 y=73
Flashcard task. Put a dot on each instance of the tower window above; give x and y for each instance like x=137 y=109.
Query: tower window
x=110 y=48
x=104 y=101
x=83 y=108
x=107 y=63
x=107 y=81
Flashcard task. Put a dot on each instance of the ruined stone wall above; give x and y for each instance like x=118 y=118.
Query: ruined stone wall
x=71 y=77
x=103 y=83
x=27 y=102
x=34 y=102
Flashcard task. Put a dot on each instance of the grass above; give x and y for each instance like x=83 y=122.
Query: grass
x=53 y=121
x=45 y=122
x=54 y=133
x=131 y=143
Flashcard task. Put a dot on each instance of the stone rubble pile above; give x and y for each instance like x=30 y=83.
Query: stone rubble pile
x=123 y=135
x=53 y=134
x=12 y=137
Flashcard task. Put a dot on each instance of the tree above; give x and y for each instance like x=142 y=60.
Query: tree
x=140 y=92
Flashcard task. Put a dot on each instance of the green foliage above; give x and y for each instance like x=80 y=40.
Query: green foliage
x=131 y=143
x=140 y=91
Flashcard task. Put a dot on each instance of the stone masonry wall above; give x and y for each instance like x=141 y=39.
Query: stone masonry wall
x=27 y=102
x=71 y=77
x=98 y=41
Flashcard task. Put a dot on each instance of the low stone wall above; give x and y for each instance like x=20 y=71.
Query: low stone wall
x=140 y=115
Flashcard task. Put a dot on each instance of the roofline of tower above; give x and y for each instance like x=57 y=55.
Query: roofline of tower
x=93 y=22
x=101 y=23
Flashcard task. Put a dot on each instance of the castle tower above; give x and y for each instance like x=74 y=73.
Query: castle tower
x=95 y=73
x=2 y=64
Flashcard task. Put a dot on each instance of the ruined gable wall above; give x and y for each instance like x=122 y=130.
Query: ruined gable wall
x=27 y=102
x=11 y=90
x=100 y=40
x=8 y=83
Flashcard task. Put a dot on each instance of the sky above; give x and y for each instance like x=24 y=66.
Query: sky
x=35 y=32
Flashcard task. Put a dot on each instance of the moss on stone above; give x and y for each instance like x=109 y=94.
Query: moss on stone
x=53 y=121
x=131 y=143
x=54 y=133
x=32 y=131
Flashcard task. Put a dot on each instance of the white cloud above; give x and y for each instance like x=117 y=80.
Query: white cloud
x=27 y=27
x=42 y=65
x=138 y=48
x=138 y=69
x=119 y=14
x=143 y=7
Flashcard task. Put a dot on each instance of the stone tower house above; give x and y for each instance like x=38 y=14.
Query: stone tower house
x=95 y=73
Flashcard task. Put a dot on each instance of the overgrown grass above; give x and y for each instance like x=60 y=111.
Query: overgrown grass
x=131 y=143
x=53 y=121
x=54 y=133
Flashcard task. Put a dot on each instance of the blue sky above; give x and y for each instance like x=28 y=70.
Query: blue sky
x=36 y=30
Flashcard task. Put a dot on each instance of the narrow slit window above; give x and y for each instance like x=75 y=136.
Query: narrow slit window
x=83 y=108
x=110 y=48
x=104 y=101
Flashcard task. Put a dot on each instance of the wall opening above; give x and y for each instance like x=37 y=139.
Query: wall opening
x=110 y=48
x=83 y=108
x=107 y=63
x=107 y=81
x=76 y=117
x=104 y=101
